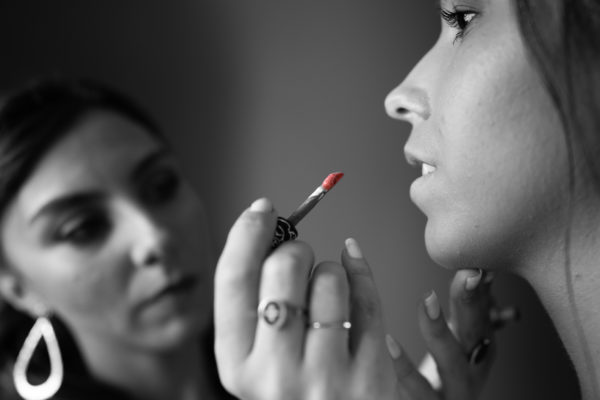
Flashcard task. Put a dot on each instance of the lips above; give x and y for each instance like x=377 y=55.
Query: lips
x=180 y=285
x=417 y=160
x=176 y=286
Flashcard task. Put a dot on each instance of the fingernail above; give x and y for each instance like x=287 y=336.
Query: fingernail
x=393 y=347
x=472 y=281
x=263 y=205
x=479 y=351
x=353 y=248
x=489 y=277
x=432 y=305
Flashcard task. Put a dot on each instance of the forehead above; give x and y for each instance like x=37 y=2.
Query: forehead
x=96 y=153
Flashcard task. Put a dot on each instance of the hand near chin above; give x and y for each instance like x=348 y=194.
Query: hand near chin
x=461 y=350
x=286 y=330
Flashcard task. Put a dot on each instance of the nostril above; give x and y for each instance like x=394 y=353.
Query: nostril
x=148 y=255
x=153 y=258
x=401 y=111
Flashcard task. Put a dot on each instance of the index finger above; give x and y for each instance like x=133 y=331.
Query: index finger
x=470 y=304
x=367 y=323
x=237 y=280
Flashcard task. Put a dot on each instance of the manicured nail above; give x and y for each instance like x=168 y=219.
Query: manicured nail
x=479 y=351
x=393 y=347
x=473 y=280
x=432 y=305
x=353 y=248
x=263 y=205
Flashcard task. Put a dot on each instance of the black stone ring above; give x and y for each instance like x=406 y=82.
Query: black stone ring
x=478 y=353
x=284 y=231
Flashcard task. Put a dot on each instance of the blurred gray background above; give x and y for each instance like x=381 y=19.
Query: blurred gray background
x=265 y=98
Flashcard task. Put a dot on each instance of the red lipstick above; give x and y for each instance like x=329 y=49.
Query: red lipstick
x=286 y=227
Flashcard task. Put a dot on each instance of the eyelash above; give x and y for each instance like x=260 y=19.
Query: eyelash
x=83 y=229
x=459 y=20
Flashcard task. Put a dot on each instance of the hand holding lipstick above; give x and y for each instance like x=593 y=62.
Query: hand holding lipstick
x=286 y=329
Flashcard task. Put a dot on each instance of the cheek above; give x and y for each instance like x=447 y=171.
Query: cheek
x=89 y=286
x=72 y=281
x=502 y=163
x=194 y=248
x=192 y=229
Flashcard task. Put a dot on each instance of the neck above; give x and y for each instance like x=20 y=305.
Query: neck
x=180 y=373
x=566 y=277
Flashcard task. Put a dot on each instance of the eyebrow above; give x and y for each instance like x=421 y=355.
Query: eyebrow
x=147 y=162
x=440 y=3
x=61 y=204
x=79 y=199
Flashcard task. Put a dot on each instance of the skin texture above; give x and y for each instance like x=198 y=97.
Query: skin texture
x=103 y=264
x=482 y=117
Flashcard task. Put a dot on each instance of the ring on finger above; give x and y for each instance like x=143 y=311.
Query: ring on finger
x=345 y=324
x=478 y=353
x=277 y=312
x=502 y=316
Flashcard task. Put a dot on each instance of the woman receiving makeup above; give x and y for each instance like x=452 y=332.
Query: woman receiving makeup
x=505 y=116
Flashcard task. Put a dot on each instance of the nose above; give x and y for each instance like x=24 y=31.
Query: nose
x=150 y=240
x=408 y=103
x=411 y=101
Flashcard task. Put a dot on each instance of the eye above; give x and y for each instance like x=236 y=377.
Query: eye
x=161 y=186
x=458 y=20
x=83 y=228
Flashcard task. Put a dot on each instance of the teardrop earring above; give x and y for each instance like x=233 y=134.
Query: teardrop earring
x=42 y=329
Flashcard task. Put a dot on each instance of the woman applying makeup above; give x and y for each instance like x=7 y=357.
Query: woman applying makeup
x=504 y=110
x=105 y=253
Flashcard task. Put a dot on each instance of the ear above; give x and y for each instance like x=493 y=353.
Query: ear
x=16 y=294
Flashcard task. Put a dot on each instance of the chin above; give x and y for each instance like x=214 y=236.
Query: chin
x=174 y=333
x=172 y=327
x=453 y=246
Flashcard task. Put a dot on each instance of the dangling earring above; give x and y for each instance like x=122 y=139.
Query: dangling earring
x=42 y=329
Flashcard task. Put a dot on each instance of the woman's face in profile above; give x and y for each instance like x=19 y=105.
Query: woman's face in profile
x=108 y=234
x=487 y=137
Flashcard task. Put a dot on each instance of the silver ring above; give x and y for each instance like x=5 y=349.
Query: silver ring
x=277 y=312
x=331 y=325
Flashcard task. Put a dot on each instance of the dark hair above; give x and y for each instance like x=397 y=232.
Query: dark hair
x=563 y=39
x=31 y=121
x=34 y=118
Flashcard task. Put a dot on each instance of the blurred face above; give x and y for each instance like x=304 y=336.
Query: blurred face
x=107 y=233
x=487 y=139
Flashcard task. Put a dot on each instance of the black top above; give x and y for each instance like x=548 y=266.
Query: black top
x=78 y=383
